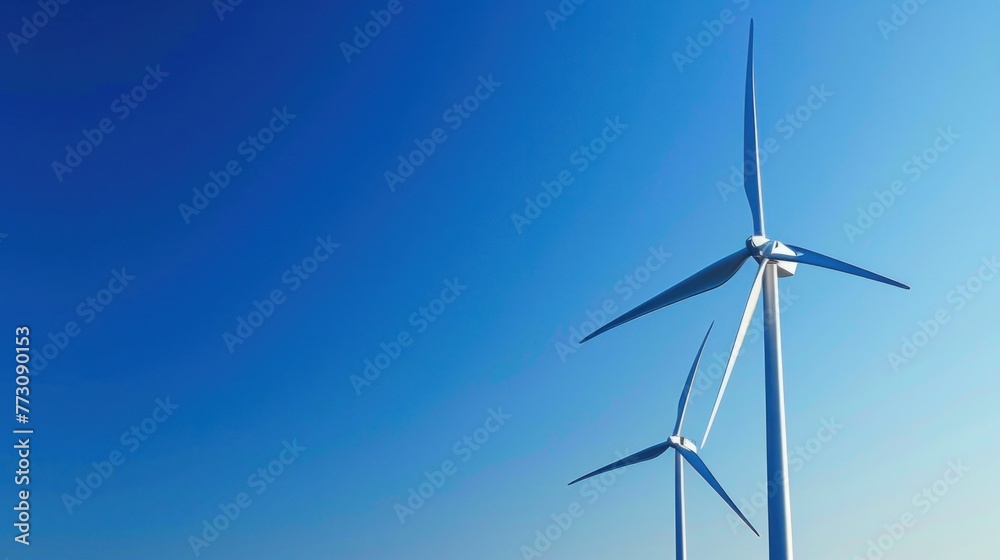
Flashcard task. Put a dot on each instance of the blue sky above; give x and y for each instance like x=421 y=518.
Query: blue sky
x=481 y=300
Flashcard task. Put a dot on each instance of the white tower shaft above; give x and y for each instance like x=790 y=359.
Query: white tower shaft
x=779 y=514
x=680 y=534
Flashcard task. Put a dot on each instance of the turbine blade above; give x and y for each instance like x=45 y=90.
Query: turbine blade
x=708 y=278
x=644 y=455
x=695 y=461
x=806 y=256
x=686 y=393
x=751 y=158
x=737 y=344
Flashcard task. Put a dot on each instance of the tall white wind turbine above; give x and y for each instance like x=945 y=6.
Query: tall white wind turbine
x=686 y=451
x=775 y=260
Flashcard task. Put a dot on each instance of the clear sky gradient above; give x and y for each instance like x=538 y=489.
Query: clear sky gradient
x=472 y=295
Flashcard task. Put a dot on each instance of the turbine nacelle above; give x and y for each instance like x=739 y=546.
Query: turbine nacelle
x=681 y=441
x=760 y=248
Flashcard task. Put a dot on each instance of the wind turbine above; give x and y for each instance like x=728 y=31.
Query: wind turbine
x=686 y=451
x=775 y=260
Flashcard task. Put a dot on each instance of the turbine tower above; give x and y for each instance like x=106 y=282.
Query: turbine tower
x=775 y=260
x=686 y=451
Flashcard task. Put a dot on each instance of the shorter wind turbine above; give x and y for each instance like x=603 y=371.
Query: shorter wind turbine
x=686 y=450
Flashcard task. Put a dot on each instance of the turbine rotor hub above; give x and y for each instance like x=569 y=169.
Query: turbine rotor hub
x=757 y=245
